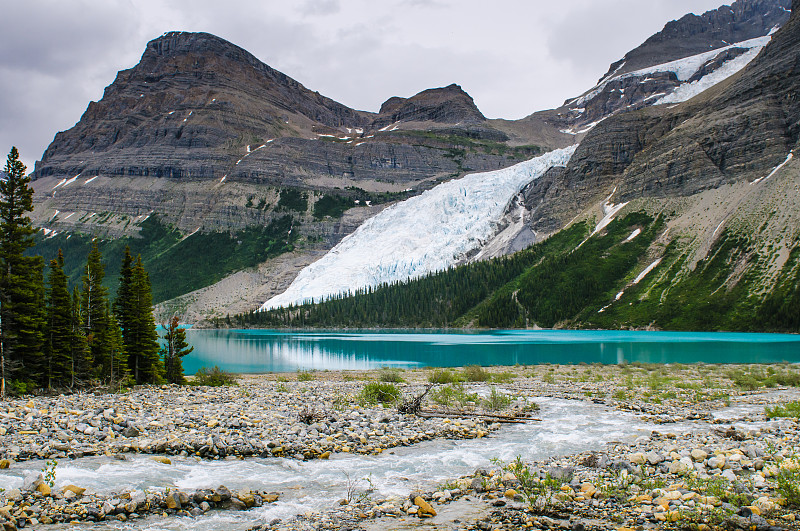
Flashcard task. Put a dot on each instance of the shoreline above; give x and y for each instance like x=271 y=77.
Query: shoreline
x=262 y=418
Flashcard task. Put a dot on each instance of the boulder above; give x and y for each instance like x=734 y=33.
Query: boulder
x=425 y=510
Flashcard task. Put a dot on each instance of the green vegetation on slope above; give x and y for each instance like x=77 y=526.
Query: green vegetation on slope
x=433 y=301
x=177 y=264
x=578 y=281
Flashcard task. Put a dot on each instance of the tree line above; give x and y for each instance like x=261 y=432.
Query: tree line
x=51 y=338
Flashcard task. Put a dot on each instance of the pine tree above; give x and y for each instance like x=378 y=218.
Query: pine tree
x=142 y=346
x=123 y=304
x=118 y=364
x=22 y=315
x=79 y=349
x=173 y=350
x=58 y=345
x=94 y=304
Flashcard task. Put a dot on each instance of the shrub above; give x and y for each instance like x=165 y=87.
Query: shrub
x=387 y=374
x=790 y=409
x=503 y=377
x=304 y=376
x=443 y=376
x=788 y=480
x=213 y=377
x=383 y=392
x=496 y=400
x=452 y=395
x=476 y=373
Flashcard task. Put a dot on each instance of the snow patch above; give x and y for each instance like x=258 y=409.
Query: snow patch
x=684 y=68
x=90 y=180
x=776 y=170
x=421 y=235
x=633 y=235
x=688 y=91
x=610 y=210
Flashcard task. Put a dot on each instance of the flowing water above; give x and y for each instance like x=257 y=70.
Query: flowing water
x=567 y=427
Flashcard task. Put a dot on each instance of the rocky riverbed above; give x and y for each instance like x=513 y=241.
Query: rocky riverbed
x=713 y=461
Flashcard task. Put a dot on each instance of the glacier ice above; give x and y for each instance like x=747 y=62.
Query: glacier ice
x=422 y=235
x=685 y=68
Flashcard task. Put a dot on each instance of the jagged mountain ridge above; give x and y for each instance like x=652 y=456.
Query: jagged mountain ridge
x=655 y=72
x=742 y=20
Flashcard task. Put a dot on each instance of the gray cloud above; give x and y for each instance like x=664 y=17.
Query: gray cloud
x=320 y=7
x=512 y=57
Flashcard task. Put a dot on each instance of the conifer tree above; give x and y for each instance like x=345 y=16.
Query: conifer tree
x=94 y=305
x=22 y=315
x=124 y=301
x=173 y=350
x=79 y=349
x=142 y=345
x=58 y=344
x=118 y=364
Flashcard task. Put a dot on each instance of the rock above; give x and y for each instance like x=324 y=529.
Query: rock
x=271 y=497
x=161 y=459
x=131 y=431
x=173 y=501
x=654 y=458
x=74 y=489
x=637 y=458
x=32 y=481
x=510 y=493
x=699 y=455
x=44 y=489
x=247 y=497
x=425 y=509
x=4 y=463
x=561 y=473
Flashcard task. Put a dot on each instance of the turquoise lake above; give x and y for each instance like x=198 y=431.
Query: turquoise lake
x=259 y=351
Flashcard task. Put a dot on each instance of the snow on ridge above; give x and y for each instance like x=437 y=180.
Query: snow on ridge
x=688 y=91
x=684 y=68
x=421 y=235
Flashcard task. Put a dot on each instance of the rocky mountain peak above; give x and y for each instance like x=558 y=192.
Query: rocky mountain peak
x=693 y=34
x=450 y=104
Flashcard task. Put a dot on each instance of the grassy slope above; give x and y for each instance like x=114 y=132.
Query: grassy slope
x=177 y=264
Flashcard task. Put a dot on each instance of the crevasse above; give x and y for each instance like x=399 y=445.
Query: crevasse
x=421 y=235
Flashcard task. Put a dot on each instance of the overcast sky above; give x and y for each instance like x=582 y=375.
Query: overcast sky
x=514 y=57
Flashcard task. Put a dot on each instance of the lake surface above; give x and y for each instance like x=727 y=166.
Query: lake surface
x=258 y=351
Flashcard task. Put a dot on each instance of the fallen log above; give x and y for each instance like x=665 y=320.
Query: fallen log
x=502 y=419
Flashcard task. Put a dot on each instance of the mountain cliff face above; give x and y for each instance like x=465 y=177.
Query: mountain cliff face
x=688 y=56
x=198 y=116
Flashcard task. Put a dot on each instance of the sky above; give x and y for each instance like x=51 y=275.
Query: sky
x=514 y=57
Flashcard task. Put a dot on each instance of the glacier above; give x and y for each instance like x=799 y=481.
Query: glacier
x=685 y=68
x=421 y=235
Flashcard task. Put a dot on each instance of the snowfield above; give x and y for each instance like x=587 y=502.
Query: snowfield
x=685 y=68
x=421 y=235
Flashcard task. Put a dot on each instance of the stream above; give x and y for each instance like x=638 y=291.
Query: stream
x=568 y=427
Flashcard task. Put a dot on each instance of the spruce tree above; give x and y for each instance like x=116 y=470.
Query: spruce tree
x=22 y=315
x=118 y=364
x=58 y=345
x=79 y=349
x=124 y=302
x=142 y=346
x=95 y=316
x=173 y=350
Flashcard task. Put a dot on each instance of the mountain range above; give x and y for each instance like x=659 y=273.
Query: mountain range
x=230 y=178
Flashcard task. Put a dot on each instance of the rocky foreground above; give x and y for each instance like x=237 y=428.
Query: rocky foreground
x=711 y=476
